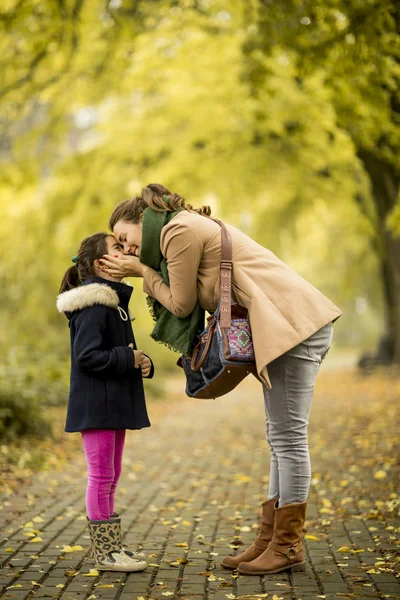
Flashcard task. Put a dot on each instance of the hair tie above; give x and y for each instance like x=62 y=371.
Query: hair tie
x=74 y=259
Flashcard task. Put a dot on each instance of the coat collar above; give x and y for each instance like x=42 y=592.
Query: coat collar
x=95 y=290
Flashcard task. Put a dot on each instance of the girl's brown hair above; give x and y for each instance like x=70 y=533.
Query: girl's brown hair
x=154 y=196
x=92 y=248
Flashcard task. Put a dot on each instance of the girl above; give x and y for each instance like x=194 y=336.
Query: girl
x=106 y=389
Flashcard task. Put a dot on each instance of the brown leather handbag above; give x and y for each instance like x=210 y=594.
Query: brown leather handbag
x=224 y=353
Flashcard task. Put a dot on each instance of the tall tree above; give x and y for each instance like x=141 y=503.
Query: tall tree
x=355 y=45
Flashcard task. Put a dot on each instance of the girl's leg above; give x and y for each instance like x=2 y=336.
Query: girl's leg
x=119 y=449
x=287 y=405
x=99 y=445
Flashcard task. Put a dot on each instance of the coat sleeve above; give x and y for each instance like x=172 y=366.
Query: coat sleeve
x=88 y=352
x=183 y=249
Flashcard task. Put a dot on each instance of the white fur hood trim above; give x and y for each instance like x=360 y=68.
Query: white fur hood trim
x=87 y=295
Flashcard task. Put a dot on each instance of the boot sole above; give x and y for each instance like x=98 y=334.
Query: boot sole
x=292 y=568
x=119 y=569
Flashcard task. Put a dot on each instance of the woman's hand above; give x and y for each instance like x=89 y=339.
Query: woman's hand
x=122 y=266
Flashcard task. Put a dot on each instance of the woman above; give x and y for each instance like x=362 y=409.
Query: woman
x=292 y=332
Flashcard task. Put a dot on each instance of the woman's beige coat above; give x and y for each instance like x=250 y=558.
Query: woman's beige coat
x=284 y=309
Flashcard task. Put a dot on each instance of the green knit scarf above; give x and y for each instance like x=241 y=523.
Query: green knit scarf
x=179 y=334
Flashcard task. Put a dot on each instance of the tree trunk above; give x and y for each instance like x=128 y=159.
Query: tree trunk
x=385 y=182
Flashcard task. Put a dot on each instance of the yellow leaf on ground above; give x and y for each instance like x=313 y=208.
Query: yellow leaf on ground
x=344 y=549
x=92 y=573
x=72 y=549
x=105 y=585
x=380 y=474
x=182 y=545
x=60 y=585
x=36 y=539
x=17 y=585
x=37 y=519
x=312 y=538
x=10 y=550
x=186 y=523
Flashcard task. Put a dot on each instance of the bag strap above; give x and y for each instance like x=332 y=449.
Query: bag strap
x=226 y=277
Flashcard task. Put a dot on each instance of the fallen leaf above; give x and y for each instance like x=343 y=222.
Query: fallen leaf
x=71 y=573
x=36 y=539
x=92 y=573
x=105 y=585
x=312 y=538
x=380 y=474
x=167 y=593
x=182 y=545
x=69 y=549
x=344 y=549
x=60 y=585
x=17 y=585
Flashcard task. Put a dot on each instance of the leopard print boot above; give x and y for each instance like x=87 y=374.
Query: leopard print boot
x=109 y=556
x=136 y=555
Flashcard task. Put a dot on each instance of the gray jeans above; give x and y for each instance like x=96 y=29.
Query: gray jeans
x=287 y=406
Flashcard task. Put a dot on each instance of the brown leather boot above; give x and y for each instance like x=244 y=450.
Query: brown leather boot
x=285 y=550
x=261 y=542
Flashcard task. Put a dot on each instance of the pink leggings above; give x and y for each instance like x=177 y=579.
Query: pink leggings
x=103 y=450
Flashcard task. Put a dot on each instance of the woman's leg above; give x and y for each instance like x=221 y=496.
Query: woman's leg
x=99 y=446
x=273 y=470
x=119 y=449
x=287 y=405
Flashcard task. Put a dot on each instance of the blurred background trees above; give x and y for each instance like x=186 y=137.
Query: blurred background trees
x=283 y=116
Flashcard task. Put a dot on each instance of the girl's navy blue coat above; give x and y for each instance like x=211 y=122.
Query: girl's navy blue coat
x=106 y=391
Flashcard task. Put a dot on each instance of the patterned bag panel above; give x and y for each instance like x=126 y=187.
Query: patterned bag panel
x=240 y=341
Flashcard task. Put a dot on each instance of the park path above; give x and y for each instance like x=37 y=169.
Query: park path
x=189 y=494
